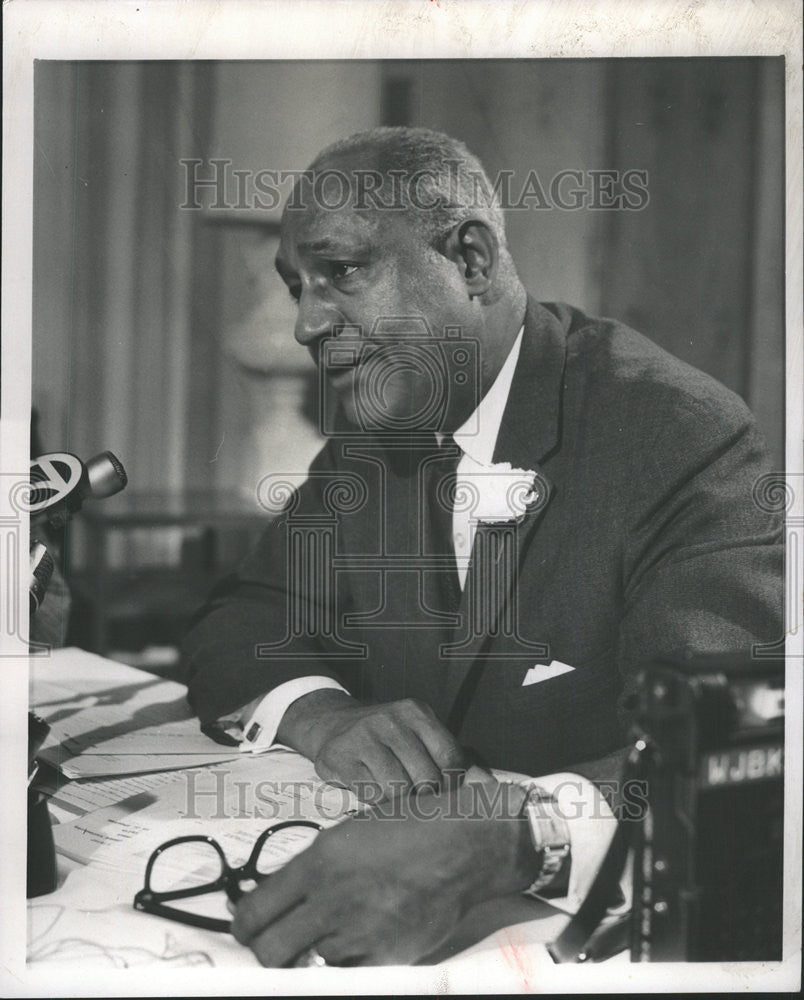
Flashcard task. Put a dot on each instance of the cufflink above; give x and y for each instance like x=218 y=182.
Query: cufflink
x=253 y=733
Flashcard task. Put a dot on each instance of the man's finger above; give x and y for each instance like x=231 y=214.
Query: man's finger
x=274 y=896
x=415 y=758
x=386 y=769
x=286 y=938
x=354 y=776
x=441 y=745
x=378 y=775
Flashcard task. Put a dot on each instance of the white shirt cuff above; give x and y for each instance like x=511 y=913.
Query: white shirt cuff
x=591 y=825
x=259 y=728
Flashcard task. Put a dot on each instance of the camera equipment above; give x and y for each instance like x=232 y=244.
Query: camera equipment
x=709 y=852
x=708 y=849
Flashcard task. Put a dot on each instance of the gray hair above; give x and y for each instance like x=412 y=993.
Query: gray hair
x=431 y=174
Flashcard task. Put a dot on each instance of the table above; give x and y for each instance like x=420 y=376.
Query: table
x=89 y=920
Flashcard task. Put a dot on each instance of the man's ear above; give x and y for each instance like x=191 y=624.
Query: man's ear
x=473 y=246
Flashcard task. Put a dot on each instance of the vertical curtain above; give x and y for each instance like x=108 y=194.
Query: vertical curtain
x=139 y=306
x=700 y=268
x=124 y=310
x=765 y=390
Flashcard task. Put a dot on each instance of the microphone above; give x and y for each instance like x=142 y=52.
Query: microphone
x=41 y=563
x=60 y=482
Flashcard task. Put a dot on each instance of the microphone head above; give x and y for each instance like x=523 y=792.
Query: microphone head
x=105 y=475
x=56 y=479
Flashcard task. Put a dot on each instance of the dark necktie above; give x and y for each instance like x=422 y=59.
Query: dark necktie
x=439 y=478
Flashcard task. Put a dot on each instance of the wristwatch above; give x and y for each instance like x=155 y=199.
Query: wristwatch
x=550 y=836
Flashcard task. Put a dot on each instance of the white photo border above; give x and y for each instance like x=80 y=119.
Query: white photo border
x=368 y=29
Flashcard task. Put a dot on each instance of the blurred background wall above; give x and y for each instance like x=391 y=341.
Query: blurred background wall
x=161 y=332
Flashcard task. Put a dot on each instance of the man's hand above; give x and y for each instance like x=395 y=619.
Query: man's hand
x=380 y=889
x=378 y=750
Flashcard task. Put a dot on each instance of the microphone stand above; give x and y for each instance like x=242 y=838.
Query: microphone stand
x=102 y=476
x=41 y=859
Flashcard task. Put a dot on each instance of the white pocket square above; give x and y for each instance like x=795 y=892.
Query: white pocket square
x=545 y=672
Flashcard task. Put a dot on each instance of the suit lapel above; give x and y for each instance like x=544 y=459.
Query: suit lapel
x=531 y=425
x=529 y=432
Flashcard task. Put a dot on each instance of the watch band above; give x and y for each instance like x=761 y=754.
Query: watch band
x=550 y=836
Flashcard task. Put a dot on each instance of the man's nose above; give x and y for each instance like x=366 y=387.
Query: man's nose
x=316 y=318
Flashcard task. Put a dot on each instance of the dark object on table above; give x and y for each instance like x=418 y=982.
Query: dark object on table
x=41 y=878
x=41 y=875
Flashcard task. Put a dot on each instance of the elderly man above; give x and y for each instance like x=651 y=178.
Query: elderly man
x=518 y=506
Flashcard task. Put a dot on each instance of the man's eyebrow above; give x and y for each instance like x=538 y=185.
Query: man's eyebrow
x=328 y=245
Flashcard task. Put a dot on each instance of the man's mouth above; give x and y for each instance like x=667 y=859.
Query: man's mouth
x=341 y=376
x=342 y=364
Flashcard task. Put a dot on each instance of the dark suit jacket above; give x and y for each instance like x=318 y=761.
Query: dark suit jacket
x=649 y=544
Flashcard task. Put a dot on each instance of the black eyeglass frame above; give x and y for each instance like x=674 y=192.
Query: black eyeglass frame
x=229 y=880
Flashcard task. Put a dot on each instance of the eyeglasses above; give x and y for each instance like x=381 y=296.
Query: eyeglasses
x=187 y=867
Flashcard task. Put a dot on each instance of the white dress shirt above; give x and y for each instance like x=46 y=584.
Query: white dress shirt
x=477 y=438
x=259 y=721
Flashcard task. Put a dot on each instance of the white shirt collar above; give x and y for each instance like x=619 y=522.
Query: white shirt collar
x=477 y=436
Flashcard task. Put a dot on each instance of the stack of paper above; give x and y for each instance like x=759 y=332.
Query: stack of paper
x=232 y=802
x=108 y=719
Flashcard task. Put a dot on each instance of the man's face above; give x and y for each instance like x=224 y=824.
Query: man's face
x=370 y=272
